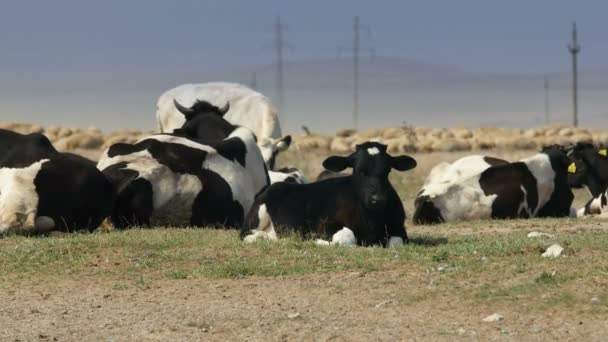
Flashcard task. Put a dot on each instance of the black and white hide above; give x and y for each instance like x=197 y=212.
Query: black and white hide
x=590 y=170
x=43 y=190
x=170 y=180
x=533 y=187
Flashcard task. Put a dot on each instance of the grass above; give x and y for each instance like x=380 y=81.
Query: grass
x=482 y=267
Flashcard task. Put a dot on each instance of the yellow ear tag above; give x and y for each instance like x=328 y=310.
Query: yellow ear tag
x=572 y=168
x=603 y=153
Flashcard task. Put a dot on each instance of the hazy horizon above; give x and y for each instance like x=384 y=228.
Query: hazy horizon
x=467 y=63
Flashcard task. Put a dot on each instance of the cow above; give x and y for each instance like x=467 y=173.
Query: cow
x=247 y=108
x=175 y=180
x=533 y=187
x=590 y=170
x=42 y=190
x=287 y=174
x=362 y=208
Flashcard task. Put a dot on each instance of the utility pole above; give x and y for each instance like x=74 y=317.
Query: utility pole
x=356 y=74
x=546 y=100
x=356 y=54
x=279 y=45
x=254 y=80
x=574 y=49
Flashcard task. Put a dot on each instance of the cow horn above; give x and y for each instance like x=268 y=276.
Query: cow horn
x=182 y=109
x=225 y=109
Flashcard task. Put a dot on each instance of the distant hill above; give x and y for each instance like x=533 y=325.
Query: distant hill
x=318 y=94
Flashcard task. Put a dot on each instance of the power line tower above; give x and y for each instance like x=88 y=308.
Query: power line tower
x=279 y=45
x=254 y=80
x=546 y=86
x=356 y=52
x=574 y=48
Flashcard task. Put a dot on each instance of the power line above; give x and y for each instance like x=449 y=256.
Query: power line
x=356 y=52
x=574 y=48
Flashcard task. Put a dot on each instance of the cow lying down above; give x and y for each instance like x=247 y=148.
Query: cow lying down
x=591 y=170
x=362 y=208
x=42 y=190
x=533 y=187
x=171 y=180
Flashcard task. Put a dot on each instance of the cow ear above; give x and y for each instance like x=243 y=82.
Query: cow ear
x=337 y=164
x=283 y=143
x=403 y=163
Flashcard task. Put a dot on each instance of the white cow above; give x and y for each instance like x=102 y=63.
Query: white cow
x=248 y=108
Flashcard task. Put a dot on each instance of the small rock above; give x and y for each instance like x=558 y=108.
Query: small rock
x=595 y=300
x=442 y=268
x=484 y=259
x=293 y=315
x=495 y=317
x=461 y=331
x=539 y=235
x=553 y=251
x=381 y=304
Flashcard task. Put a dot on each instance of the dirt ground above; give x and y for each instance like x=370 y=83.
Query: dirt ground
x=402 y=302
x=329 y=307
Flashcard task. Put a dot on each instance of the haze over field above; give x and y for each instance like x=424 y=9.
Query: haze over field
x=469 y=63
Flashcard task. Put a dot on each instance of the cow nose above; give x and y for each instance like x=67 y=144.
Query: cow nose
x=375 y=198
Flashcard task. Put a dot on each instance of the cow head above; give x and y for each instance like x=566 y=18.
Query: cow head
x=371 y=166
x=589 y=168
x=201 y=108
x=270 y=148
x=204 y=122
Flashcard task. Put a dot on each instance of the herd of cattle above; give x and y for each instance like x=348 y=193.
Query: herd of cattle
x=212 y=164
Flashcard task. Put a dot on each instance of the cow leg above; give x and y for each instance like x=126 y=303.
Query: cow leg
x=395 y=221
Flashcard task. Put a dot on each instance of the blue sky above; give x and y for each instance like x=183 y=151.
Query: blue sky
x=76 y=48
x=486 y=35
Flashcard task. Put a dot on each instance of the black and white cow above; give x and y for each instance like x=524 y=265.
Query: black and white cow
x=174 y=180
x=590 y=170
x=362 y=208
x=244 y=107
x=287 y=174
x=533 y=187
x=42 y=189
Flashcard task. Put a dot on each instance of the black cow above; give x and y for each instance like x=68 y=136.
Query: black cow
x=590 y=170
x=42 y=189
x=362 y=208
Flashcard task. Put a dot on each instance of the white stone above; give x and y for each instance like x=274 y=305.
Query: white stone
x=395 y=241
x=495 y=317
x=293 y=315
x=553 y=251
x=539 y=235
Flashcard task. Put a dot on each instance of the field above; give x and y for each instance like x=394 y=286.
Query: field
x=203 y=284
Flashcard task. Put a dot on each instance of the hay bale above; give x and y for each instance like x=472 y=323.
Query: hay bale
x=401 y=145
x=64 y=132
x=601 y=139
x=394 y=132
x=532 y=133
x=462 y=133
x=116 y=139
x=451 y=145
x=80 y=140
x=313 y=142
x=370 y=134
x=345 y=132
x=566 y=132
x=341 y=146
